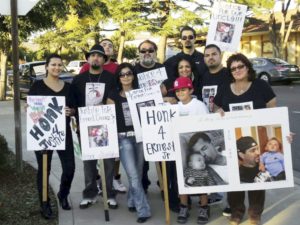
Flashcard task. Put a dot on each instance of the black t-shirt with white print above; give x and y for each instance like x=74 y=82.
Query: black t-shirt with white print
x=259 y=93
x=124 y=121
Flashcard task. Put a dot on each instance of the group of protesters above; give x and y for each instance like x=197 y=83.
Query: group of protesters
x=189 y=72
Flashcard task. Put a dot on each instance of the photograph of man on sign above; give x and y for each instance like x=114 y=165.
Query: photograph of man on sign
x=202 y=158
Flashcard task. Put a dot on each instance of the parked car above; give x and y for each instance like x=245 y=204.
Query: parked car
x=75 y=66
x=32 y=71
x=274 y=69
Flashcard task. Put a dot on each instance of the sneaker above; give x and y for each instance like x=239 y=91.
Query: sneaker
x=112 y=203
x=98 y=181
x=227 y=212
x=254 y=222
x=87 y=202
x=203 y=215
x=183 y=214
x=214 y=199
x=118 y=186
x=46 y=211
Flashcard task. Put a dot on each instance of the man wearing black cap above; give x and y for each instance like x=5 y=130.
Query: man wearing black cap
x=89 y=89
x=248 y=153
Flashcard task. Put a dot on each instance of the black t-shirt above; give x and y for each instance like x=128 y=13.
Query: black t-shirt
x=124 y=121
x=247 y=174
x=259 y=93
x=78 y=86
x=219 y=78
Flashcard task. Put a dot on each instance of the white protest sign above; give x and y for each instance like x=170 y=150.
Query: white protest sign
x=98 y=132
x=46 y=123
x=24 y=6
x=207 y=159
x=142 y=98
x=158 y=142
x=152 y=77
x=226 y=25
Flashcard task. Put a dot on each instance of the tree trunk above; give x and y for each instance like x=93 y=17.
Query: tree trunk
x=3 y=75
x=121 y=47
x=161 y=54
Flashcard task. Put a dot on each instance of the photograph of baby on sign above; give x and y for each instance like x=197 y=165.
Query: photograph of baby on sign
x=203 y=161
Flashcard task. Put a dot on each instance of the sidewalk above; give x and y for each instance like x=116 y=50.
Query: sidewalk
x=282 y=205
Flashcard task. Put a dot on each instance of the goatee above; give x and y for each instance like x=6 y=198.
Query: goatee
x=95 y=67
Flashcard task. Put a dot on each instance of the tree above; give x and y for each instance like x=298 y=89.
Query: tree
x=128 y=16
x=40 y=17
x=167 y=16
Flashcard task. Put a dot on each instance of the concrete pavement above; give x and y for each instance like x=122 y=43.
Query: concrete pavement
x=282 y=205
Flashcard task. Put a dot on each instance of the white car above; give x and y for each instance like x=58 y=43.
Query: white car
x=75 y=66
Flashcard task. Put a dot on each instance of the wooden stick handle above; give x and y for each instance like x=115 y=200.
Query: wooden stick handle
x=166 y=194
x=45 y=177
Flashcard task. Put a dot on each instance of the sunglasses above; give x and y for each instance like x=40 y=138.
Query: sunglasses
x=190 y=37
x=150 y=50
x=233 y=69
x=126 y=74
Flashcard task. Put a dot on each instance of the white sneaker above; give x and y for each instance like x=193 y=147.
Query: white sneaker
x=112 y=203
x=87 y=202
x=118 y=186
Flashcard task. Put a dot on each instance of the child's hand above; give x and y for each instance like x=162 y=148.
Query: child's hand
x=290 y=137
x=262 y=167
x=221 y=111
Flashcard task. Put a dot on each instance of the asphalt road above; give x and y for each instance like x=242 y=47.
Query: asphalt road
x=289 y=95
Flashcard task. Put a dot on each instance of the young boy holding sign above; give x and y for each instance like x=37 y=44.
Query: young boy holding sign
x=188 y=105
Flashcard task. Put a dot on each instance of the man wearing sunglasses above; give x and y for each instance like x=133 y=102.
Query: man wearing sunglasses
x=147 y=61
x=147 y=57
x=187 y=39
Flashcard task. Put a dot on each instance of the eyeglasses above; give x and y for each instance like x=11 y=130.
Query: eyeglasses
x=150 y=50
x=190 y=37
x=126 y=74
x=239 y=67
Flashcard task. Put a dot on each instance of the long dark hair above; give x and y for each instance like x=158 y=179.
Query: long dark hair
x=190 y=61
x=48 y=59
x=118 y=72
x=242 y=58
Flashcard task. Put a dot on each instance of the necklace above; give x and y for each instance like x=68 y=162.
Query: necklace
x=90 y=78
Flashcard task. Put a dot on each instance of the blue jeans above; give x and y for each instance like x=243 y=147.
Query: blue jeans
x=132 y=159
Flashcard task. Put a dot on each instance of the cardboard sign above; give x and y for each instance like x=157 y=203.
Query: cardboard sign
x=212 y=152
x=152 y=78
x=226 y=25
x=138 y=98
x=158 y=142
x=46 y=123
x=98 y=132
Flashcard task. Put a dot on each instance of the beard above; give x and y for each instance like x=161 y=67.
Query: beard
x=95 y=66
x=148 y=62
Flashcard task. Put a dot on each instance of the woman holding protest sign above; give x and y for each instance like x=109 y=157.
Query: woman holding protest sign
x=244 y=88
x=131 y=153
x=53 y=86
